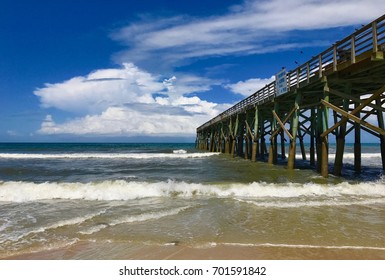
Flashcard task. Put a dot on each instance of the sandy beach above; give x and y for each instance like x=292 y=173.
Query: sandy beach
x=129 y=251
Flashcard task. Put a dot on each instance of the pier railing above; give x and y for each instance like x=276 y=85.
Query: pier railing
x=368 y=39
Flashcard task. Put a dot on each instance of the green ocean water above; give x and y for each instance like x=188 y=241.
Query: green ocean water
x=53 y=195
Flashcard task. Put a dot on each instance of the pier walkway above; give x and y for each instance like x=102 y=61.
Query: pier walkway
x=337 y=92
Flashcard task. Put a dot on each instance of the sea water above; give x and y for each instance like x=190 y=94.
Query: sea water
x=56 y=195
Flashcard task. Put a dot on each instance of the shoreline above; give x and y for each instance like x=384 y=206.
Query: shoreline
x=86 y=250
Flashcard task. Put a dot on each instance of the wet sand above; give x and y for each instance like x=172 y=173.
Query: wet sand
x=130 y=251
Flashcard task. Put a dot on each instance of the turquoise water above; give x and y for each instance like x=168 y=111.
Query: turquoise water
x=53 y=195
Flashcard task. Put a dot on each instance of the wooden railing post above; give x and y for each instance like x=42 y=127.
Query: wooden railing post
x=334 y=58
x=375 y=37
x=298 y=71
x=353 y=50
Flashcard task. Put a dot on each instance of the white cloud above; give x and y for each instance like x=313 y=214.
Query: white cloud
x=101 y=89
x=128 y=101
x=131 y=121
x=248 y=87
x=255 y=26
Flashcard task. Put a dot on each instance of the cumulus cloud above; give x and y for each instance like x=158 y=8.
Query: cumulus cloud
x=101 y=89
x=128 y=101
x=153 y=120
x=253 y=27
x=248 y=87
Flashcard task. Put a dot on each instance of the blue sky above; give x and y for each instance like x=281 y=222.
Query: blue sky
x=151 y=70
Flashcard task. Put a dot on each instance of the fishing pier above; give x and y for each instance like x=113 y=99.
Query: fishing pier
x=338 y=92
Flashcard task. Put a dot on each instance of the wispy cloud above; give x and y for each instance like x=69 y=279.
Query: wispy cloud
x=249 y=28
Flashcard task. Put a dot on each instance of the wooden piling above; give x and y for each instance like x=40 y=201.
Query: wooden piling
x=283 y=154
x=234 y=136
x=325 y=144
x=380 y=119
x=312 y=136
x=294 y=130
x=357 y=142
x=263 y=141
x=255 y=138
x=340 y=142
x=273 y=139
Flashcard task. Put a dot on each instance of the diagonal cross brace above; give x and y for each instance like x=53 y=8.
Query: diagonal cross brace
x=356 y=110
x=282 y=127
x=282 y=124
x=347 y=116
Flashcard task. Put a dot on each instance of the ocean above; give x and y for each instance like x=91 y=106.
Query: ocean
x=120 y=196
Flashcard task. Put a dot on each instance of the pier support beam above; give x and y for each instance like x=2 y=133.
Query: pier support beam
x=312 y=136
x=263 y=143
x=227 y=145
x=340 y=141
x=283 y=154
x=256 y=136
x=380 y=118
x=324 y=143
x=235 y=132
x=294 y=130
x=212 y=137
x=273 y=139
x=357 y=142
x=302 y=145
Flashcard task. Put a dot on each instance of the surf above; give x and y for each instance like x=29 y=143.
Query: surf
x=109 y=190
x=74 y=156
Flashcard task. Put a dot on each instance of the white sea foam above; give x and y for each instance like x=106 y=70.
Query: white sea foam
x=301 y=246
x=370 y=159
x=179 y=152
x=320 y=203
x=55 y=225
x=124 y=190
x=135 y=218
x=175 y=154
x=93 y=229
x=148 y=216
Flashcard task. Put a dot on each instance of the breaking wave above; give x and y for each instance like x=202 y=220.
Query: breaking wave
x=13 y=191
x=175 y=154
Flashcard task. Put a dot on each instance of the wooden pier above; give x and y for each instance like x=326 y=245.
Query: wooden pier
x=338 y=92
